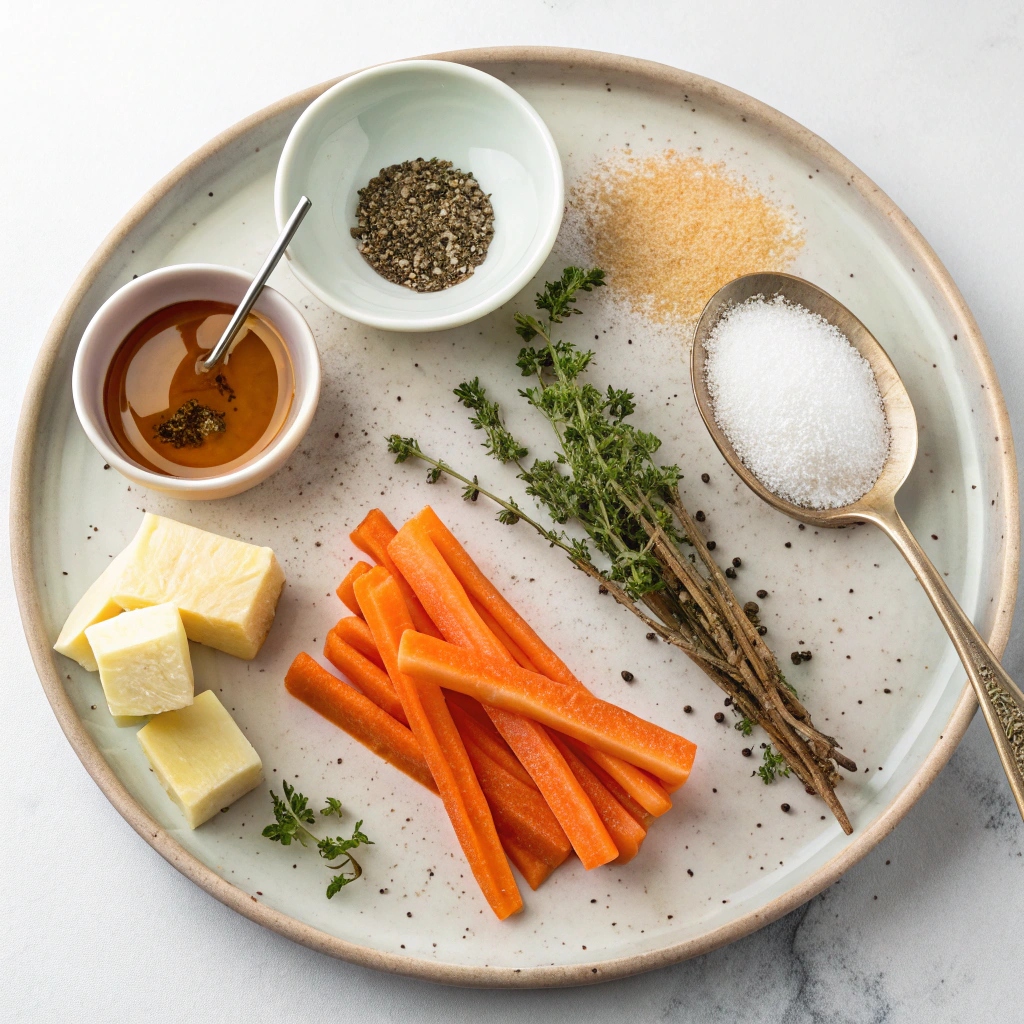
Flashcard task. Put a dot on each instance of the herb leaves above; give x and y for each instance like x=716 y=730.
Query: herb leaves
x=293 y=814
x=604 y=479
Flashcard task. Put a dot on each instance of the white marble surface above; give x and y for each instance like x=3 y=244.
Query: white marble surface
x=100 y=100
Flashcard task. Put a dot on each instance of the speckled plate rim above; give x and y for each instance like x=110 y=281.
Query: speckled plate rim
x=26 y=585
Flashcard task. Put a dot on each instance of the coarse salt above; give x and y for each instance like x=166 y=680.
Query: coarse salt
x=797 y=401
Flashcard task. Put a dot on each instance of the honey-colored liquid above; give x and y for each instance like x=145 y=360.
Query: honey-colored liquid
x=154 y=373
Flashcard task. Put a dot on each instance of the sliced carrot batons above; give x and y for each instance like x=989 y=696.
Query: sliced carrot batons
x=597 y=723
x=356 y=633
x=348 y=709
x=345 y=590
x=364 y=675
x=387 y=615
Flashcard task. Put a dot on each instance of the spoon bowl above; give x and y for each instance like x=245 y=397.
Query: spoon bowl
x=1001 y=701
x=899 y=411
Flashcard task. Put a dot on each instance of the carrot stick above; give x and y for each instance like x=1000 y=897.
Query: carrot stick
x=487 y=594
x=519 y=810
x=489 y=741
x=644 y=788
x=364 y=675
x=387 y=615
x=501 y=636
x=352 y=712
x=449 y=606
x=356 y=633
x=643 y=817
x=532 y=868
x=345 y=590
x=624 y=829
x=348 y=709
x=577 y=713
x=523 y=640
x=372 y=536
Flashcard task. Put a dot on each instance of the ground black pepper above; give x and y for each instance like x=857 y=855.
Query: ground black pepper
x=190 y=425
x=424 y=224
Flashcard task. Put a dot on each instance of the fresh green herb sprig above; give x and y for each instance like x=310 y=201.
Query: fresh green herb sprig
x=604 y=478
x=774 y=764
x=293 y=814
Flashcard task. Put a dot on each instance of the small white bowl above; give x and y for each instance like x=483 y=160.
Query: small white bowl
x=128 y=307
x=398 y=112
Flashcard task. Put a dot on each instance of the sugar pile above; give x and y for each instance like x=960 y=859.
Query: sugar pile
x=797 y=401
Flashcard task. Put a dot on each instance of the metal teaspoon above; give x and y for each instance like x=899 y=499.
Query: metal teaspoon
x=253 y=292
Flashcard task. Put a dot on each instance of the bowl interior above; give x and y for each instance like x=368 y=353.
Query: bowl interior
x=400 y=112
x=144 y=296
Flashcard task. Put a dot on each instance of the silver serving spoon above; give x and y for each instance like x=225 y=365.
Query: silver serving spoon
x=253 y=292
x=1000 y=699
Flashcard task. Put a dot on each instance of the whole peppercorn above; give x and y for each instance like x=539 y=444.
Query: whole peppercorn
x=719 y=717
x=711 y=545
x=731 y=573
x=785 y=807
x=628 y=676
x=762 y=594
x=699 y=516
x=687 y=709
x=746 y=751
x=805 y=655
x=737 y=562
x=795 y=658
x=652 y=636
x=762 y=630
x=751 y=608
x=705 y=477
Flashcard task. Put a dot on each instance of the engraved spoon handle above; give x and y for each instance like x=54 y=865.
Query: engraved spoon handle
x=1001 y=700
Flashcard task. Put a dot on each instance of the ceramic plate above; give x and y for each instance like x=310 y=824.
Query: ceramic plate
x=726 y=859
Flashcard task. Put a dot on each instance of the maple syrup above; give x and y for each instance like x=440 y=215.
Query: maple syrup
x=171 y=417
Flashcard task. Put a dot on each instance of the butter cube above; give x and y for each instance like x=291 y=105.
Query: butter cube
x=144 y=663
x=201 y=757
x=226 y=590
x=95 y=605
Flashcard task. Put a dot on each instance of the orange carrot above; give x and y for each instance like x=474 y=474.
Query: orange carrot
x=532 y=868
x=356 y=633
x=643 y=817
x=523 y=643
x=453 y=613
x=352 y=712
x=487 y=595
x=501 y=636
x=348 y=709
x=345 y=589
x=372 y=536
x=576 y=713
x=626 y=833
x=643 y=787
x=519 y=810
x=490 y=741
x=387 y=615
x=364 y=675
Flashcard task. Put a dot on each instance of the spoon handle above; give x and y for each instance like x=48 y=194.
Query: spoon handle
x=1001 y=700
x=258 y=283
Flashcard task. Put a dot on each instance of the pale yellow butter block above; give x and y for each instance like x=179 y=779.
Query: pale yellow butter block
x=201 y=757
x=95 y=605
x=144 y=662
x=226 y=590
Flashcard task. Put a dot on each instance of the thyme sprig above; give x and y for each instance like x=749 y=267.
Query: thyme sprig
x=293 y=814
x=604 y=478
